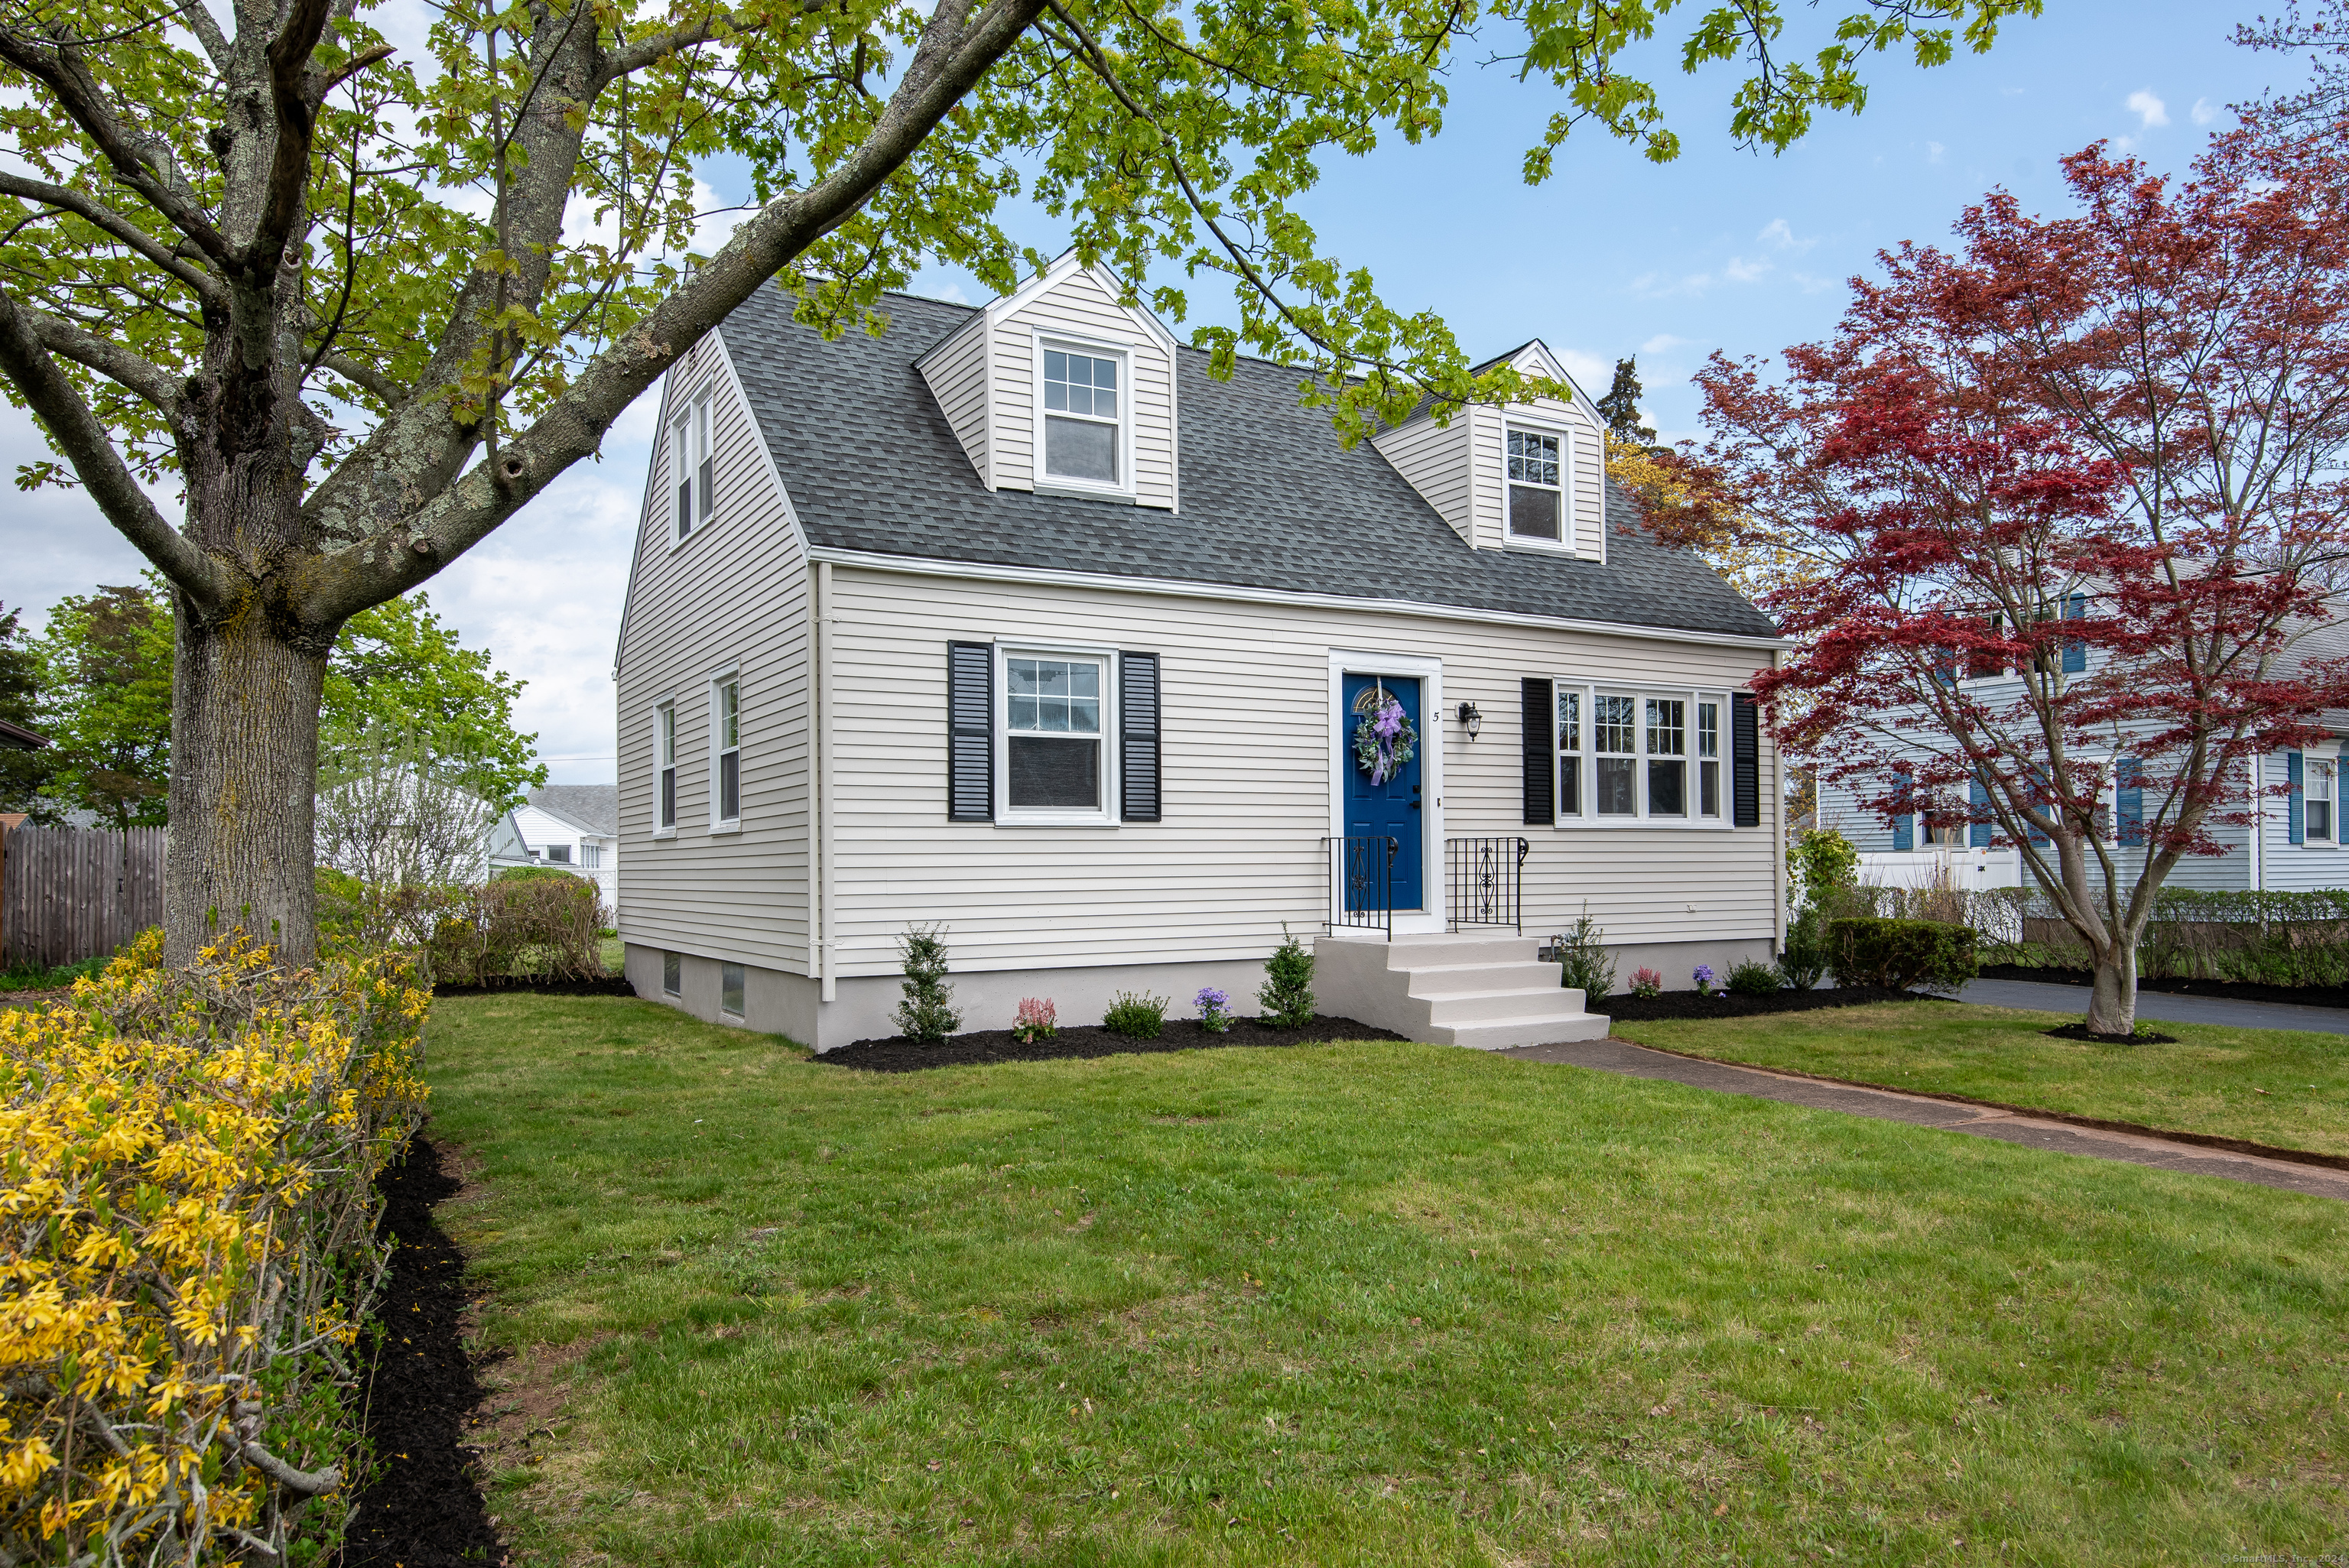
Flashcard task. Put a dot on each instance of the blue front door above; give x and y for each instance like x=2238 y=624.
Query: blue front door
x=1390 y=808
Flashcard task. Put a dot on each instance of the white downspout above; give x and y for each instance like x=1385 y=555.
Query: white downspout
x=820 y=845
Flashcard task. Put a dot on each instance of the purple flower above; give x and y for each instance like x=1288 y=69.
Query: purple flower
x=1704 y=977
x=1210 y=1000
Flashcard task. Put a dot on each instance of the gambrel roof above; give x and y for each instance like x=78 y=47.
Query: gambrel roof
x=1269 y=499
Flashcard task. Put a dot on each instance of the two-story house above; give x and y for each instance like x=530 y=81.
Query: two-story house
x=1017 y=620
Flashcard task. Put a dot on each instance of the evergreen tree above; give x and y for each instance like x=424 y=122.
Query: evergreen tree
x=1620 y=407
x=927 y=1013
x=1287 y=996
x=22 y=772
x=105 y=662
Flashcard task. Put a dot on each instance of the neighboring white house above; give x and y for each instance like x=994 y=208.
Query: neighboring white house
x=1015 y=620
x=2298 y=841
x=577 y=827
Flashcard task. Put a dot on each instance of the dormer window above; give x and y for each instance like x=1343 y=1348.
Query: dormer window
x=1536 y=498
x=1082 y=429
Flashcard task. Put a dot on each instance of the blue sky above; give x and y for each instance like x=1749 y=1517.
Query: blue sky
x=1613 y=255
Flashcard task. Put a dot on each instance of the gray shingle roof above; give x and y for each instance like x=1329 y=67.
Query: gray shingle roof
x=594 y=806
x=1269 y=499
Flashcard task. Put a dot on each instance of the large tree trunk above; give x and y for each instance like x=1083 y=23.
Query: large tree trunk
x=2112 y=1000
x=244 y=774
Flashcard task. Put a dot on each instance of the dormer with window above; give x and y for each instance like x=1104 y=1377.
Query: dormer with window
x=1060 y=389
x=1529 y=476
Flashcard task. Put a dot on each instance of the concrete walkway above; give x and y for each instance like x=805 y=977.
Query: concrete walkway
x=1890 y=1105
x=2043 y=998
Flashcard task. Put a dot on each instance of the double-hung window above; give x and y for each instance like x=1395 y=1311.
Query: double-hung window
x=1082 y=427
x=1055 y=734
x=725 y=752
x=1570 y=754
x=1647 y=755
x=665 y=767
x=693 y=468
x=2317 y=785
x=1536 y=491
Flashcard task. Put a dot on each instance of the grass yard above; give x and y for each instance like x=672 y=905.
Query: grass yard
x=1386 y=1305
x=2284 y=1087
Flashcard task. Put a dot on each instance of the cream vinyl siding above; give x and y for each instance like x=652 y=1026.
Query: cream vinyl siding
x=1076 y=305
x=1583 y=462
x=956 y=371
x=1246 y=759
x=735 y=594
x=1433 y=458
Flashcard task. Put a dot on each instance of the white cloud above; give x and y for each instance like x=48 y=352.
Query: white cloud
x=2150 y=110
x=1779 y=233
x=2204 y=111
x=1594 y=372
x=1933 y=150
x=1742 y=270
x=1664 y=342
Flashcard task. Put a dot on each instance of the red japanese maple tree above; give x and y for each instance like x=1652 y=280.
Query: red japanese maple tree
x=2098 y=457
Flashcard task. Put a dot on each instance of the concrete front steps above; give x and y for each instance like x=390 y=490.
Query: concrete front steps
x=1489 y=993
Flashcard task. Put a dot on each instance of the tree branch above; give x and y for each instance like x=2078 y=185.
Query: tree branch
x=82 y=441
x=952 y=56
x=304 y=1484
x=297 y=118
x=60 y=70
x=657 y=46
x=106 y=356
x=100 y=216
x=321 y=86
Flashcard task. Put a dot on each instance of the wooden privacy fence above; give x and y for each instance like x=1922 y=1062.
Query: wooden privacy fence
x=71 y=893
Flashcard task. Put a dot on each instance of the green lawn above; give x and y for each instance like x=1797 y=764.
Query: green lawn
x=2284 y=1087
x=1364 y=1305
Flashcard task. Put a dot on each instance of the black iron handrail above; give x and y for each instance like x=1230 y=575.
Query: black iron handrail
x=1485 y=883
x=1362 y=881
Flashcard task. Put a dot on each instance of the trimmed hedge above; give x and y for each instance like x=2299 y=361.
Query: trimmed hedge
x=1901 y=954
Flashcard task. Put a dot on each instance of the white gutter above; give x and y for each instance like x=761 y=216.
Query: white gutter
x=922 y=566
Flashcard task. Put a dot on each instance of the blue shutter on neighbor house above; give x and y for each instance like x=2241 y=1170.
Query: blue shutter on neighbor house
x=1538 y=758
x=970 y=732
x=1904 y=832
x=1978 y=808
x=2128 y=800
x=2294 y=819
x=1137 y=736
x=1744 y=760
x=2075 y=652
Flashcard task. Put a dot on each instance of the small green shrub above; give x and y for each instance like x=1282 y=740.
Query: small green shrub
x=1753 y=978
x=1805 y=963
x=1583 y=962
x=533 y=873
x=1901 y=954
x=1138 y=1016
x=1287 y=998
x=927 y=1013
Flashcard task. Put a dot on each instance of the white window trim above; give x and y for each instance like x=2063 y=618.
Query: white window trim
x=1061 y=484
x=717 y=824
x=1564 y=434
x=1589 y=816
x=2309 y=763
x=665 y=705
x=695 y=417
x=1006 y=814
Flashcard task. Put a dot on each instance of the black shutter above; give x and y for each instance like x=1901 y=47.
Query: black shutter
x=1541 y=788
x=970 y=732
x=1745 y=760
x=1137 y=736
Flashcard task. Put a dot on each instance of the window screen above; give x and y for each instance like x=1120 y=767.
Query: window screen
x=1053 y=716
x=1080 y=419
x=1536 y=504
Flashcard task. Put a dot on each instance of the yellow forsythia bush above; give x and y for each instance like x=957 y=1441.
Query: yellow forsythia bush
x=187 y=1248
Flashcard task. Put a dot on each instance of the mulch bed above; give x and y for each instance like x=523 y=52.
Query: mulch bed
x=2239 y=990
x=526 y=984
x=1624 y=1008
x=421 y=1507
x=2081 y=1032
x=898 y=1054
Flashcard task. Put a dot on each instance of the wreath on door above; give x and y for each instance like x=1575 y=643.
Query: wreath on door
x=1384 y=737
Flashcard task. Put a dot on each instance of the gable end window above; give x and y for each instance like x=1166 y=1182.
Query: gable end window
x=725 y=752
x=1536 y=493
x=693 y=466
x=1083 y=426
x=665 y=769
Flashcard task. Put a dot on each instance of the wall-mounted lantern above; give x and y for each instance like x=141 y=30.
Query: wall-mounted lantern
x=1472 y=719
